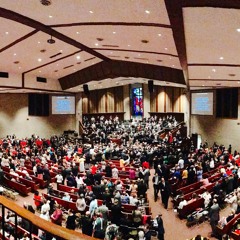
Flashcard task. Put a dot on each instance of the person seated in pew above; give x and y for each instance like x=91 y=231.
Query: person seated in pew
x=183 y=202
x=205 y=182
x=193 y=199
x=67 y=197
x=207 y=198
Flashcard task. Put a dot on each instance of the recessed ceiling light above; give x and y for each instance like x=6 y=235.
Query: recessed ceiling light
x=221 y=58
x=129 y=45
x=91 y=11
x=214 y=70
x=110 y=52
x=39 y=59
x=78 y=57
x=39 y=71
x=238 y=29
x=238 y=82
x=159 y=34
x=61 y=50
x=96 y=44
x=203 y=85
x=173 y=65
x=77 y=32
x=114 y=32
x=147 y=11
x=19 y=67
x=14 y=54
x=7 y=33
x=50 y=16
x=39 y=42
x=166 y=48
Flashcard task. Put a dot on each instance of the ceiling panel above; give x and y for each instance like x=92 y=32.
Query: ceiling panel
x=11 y=31
x=72 y=11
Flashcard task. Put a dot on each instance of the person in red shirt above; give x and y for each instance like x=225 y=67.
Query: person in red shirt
x=145 y=164
x=94 y=169
x=37 y=200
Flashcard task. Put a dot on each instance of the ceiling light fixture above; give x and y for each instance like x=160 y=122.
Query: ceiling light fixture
x=51 y=41
x=46 y=2
x=221 y=58
x=147 y=11
x=238 y=30
x=91 y=11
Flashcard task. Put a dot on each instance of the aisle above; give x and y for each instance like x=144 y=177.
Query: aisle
x=175 y=229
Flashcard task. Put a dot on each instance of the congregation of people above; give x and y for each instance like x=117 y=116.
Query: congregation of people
x=109 y=170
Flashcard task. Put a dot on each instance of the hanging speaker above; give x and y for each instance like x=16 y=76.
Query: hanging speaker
x=150 y=86
x=85 y=89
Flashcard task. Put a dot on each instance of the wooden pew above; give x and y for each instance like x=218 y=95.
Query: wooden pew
x=228 y=227
x=21 y=188
x=34 y=186
x=190 y=208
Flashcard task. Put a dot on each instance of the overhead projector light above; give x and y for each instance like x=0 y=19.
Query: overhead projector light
x=51 y=41
x=46 y=2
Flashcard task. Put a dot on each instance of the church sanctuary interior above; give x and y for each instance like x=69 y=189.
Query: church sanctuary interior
x=119 y=119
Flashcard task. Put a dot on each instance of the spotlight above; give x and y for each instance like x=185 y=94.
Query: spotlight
x=51 y=41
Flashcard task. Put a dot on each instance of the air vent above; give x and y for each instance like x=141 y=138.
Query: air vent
x=55 y=55
x=141 y=58
x=3 y=74
x=89 y=59
x=41 y=79
x=113 y=56
x=116 y=46
x=68 y=66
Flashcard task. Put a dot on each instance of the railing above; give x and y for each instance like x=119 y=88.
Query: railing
x=36 y=222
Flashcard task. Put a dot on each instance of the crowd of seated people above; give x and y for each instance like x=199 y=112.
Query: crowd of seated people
x=92 y=170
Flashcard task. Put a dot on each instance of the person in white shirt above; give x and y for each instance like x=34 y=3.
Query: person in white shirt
x=45 y=207
x=114 y=172
x=59 y=178
x=81 y=204
x=181 y=163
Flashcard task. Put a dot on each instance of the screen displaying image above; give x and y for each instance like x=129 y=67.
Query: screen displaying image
x=63 y=105
x=202 y=103
x=137 y=102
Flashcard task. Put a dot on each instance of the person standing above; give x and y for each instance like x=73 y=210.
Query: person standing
x=165 y=192
x=57 y=215
x=156 y=180
x=160 y=228
x=214 y=217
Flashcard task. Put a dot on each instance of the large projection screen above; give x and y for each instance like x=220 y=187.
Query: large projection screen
x=63 y=105
x=202 y=103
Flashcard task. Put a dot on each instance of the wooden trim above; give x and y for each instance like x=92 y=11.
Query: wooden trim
x=172 y=99
x=180 y=99
x=106 y=101
x=219 y=80
x=137 y=24
x=174 y=9
x=18 y=40
x=23 y=80
x=156 y=98
x=14 y=16
x=212 y=3
x=212 y=65
x=136 y=51
x=165 y=99
x=9 y=88
x=41 y=223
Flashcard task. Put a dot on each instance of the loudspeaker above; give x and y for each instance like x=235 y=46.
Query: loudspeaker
x=38 y=104
x=85 y=89
x=150 y=86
